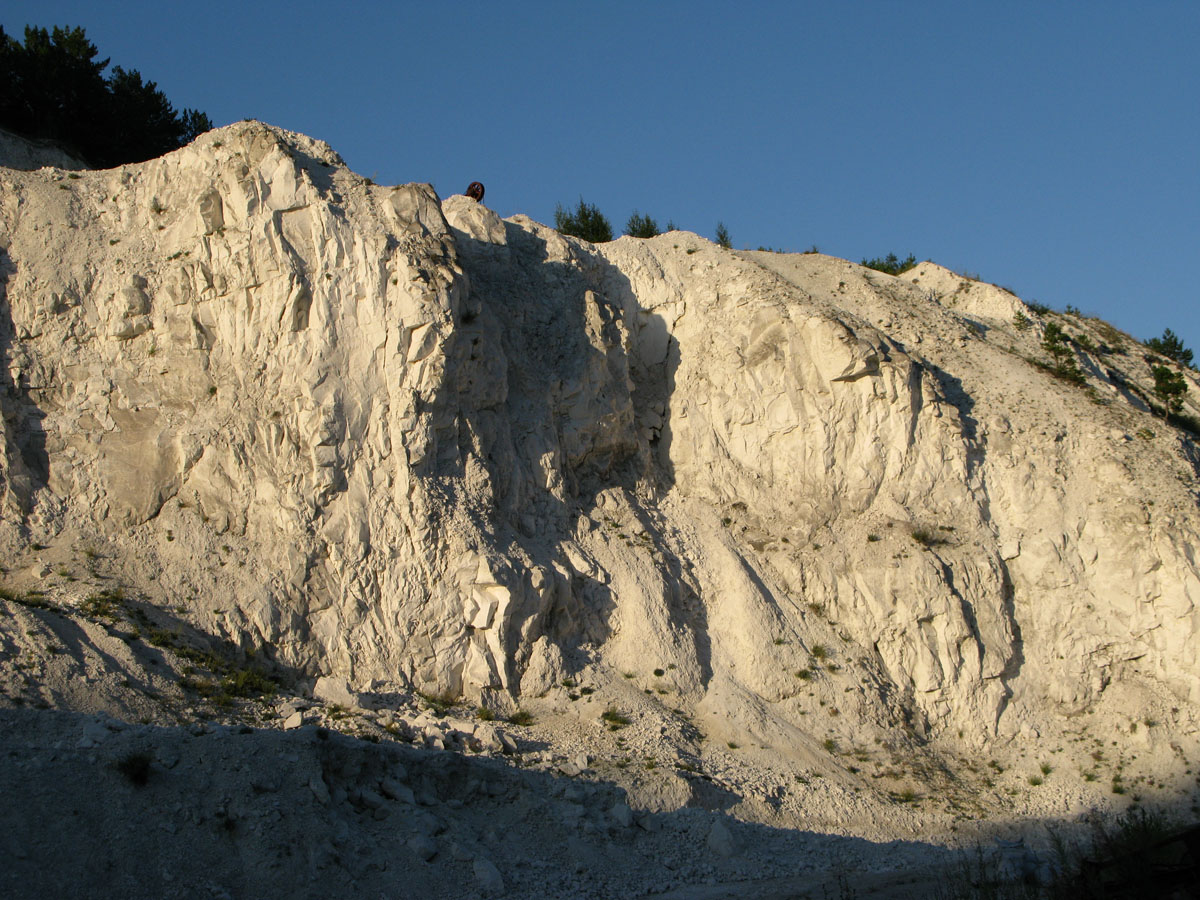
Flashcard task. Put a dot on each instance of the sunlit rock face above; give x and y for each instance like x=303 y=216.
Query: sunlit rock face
x=402 y=442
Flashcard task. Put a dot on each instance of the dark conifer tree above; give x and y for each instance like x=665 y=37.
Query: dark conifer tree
x=56 y=89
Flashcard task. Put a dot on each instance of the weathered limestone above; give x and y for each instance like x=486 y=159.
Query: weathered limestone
x=403 y=444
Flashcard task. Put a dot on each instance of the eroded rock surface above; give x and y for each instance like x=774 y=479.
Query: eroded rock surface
x=401 y=443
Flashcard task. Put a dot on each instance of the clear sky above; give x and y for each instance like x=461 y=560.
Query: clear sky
x=1050 y=147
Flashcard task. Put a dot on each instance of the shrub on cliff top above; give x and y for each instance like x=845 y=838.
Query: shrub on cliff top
x=891 y=264
x=640 y=226
x=585 y=221
x=1170 y=346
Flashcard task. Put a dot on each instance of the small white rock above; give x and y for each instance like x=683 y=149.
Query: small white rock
x=394 y=790
x=720 y=839
x=490 y=880
x=317 y=785
x=424 y=846
x=621 y=815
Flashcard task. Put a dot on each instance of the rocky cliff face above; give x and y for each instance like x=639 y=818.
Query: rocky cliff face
x=403 y=442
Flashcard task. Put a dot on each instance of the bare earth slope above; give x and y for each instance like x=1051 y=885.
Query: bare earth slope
x=771 y=538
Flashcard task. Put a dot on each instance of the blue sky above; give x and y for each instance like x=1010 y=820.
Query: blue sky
x=1049 y=147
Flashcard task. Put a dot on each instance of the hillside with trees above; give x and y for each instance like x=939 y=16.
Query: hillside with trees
x=56 y=89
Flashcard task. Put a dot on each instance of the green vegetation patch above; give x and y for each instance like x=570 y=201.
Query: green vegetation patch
x=891 y=264
x=614 y=719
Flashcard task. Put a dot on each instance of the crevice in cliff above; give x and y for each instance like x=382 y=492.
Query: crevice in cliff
x=28 y=462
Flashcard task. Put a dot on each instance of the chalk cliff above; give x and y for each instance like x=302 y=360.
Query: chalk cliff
x=399 y=441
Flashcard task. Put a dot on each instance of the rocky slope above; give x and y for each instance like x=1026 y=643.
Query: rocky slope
x=788 y=516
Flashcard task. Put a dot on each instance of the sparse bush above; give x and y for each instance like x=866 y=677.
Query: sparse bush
x=927 y=538
x=1114 y=340
x=162 y=637
x=439 y=703
x=891 y=264
x=1170 y=388
x=586 y=222
x=640 y=226
x=1022 y=322
x=1083 y=342
x=106 y=604
x=614 y=719
x=723 y=239
x=1128 y=856
x=203 y=658
x=1054 y=342
x=135 y=767
x=336 y=711
x=31 y=599
x=521 y=717
x=247 y=683
x=1170 y=346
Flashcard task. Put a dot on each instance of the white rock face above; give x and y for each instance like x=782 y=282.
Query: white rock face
x=20 y=153
x=403 y=444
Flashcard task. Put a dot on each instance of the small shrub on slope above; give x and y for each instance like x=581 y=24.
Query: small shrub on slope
x=1054 y=342
x=1170 y=388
